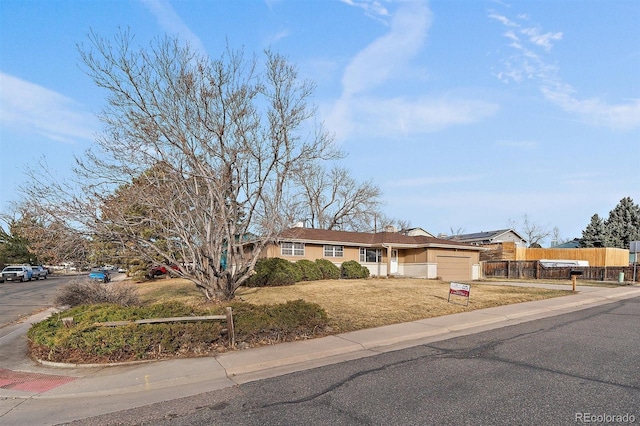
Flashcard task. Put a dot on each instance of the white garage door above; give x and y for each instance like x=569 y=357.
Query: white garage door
x=452 y=268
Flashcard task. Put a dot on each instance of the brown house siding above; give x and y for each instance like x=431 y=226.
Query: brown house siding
x=418 y=256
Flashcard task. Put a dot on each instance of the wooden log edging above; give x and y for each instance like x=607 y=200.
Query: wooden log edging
x=228 y=317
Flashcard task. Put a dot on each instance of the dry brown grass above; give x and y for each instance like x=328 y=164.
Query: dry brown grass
x=358 y=304
x=164 y=290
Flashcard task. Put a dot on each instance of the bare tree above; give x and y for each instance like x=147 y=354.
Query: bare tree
x=333 y=199
x=556 y=237
x=47 y=240
x=534 y=233
x=195 y=163
x=454 y=232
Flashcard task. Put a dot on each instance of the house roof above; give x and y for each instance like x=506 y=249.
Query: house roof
x=575 y=243
x=488 y=236
x=366 y=239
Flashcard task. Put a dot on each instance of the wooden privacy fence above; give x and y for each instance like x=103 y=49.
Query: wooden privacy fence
x=533 y=269
x=68 y=322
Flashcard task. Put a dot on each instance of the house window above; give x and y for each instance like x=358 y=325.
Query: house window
x=370 y=255
x=292 y=249
x=333 y=251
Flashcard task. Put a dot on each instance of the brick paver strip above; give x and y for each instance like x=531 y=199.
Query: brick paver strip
x=31 y=382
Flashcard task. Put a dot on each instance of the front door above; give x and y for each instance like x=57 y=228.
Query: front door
x=394 y=262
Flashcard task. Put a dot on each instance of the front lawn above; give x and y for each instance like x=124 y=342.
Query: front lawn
x=264 y=315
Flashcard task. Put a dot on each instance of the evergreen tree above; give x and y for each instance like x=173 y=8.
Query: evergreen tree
x=595 y=234
x=623 y=224
x=13 y=247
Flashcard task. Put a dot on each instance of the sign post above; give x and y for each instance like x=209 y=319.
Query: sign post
x=458 y=289
x=634 y=249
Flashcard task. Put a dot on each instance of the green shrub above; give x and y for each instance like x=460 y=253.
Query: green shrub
x=310 y=270
x=84 y=342
x=353 y=270
x=274 y=272
x=278 y=322
x=84 y=292
x=328 y=269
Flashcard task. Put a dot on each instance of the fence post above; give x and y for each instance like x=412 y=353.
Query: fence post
x=230 y=328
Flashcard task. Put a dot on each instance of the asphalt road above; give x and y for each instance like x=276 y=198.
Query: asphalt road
x=578 y=368
x=22 y=299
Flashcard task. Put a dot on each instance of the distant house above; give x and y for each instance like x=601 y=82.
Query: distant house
x=491 y=237
x=412 y=232
x=408 y=254
x=575 y=243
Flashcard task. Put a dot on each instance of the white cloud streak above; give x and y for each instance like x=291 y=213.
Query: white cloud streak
x=30 y=108
x=528 y=63
x=359 y=111
x=171 y=22
x=374 y=9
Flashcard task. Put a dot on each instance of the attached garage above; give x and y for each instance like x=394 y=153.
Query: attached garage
x=454 y=267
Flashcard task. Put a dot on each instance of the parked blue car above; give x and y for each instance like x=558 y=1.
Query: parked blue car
x=100 y=274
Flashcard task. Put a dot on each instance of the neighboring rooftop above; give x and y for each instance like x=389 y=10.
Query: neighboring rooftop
x=490 y=237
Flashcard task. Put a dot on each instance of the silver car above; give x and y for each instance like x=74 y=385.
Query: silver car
x=39 y=272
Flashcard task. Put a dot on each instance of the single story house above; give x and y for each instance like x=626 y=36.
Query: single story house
x=388 y=253
x=492 y=237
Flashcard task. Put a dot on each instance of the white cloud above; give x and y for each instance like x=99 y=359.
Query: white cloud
x=28 y=107
x=278 y=36
x=372 y=8
x=402 y=117
x=595 y=111
x=530 y=63
x=377 y=62
x=388 y=58
x=169 y=20
x=503 y=19
x=543 y=40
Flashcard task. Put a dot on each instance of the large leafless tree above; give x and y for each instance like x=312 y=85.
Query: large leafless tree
x=534 y=233
x=333 y=199
x=196 y=162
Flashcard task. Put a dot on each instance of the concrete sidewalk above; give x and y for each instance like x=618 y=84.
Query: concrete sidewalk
x=31 y=393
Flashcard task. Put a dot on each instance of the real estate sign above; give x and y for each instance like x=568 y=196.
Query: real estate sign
x=458 y=289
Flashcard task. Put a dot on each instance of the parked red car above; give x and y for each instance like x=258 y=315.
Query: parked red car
x=158 y=270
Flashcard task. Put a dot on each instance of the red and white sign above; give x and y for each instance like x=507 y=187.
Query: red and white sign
x=460 y=289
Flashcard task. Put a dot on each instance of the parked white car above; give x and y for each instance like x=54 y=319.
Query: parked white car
x=17 y=273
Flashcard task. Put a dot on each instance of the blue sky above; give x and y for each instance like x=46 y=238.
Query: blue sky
x=467 y=114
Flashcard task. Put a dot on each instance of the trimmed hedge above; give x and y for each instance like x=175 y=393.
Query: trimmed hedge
x=353 y=270
x=310 y=270
x=84 y=343
x=274 y=272
x=328 y=269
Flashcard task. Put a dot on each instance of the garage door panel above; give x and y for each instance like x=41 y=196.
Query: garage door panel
x=451 y=268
